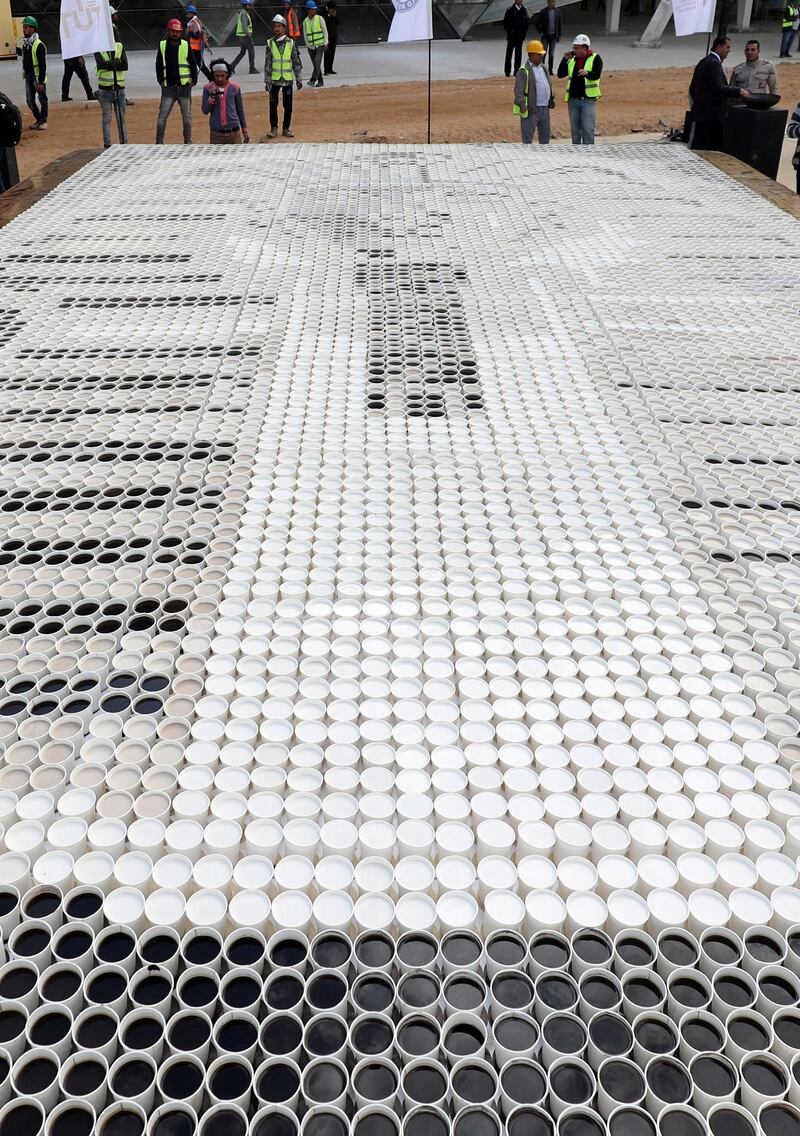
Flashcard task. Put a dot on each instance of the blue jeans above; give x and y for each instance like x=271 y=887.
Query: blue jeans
x=39 y=111
x=538 y=118
x=787 y=39
x=169 y=96
x=582 y=119
x=106 y=97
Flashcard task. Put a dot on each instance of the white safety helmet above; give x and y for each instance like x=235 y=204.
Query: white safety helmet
x=279 y=20
x=581 y=41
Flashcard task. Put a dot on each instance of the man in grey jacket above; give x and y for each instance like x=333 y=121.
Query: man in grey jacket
x=533 y=96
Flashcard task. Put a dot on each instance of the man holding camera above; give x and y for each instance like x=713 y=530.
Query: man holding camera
x=223 y=103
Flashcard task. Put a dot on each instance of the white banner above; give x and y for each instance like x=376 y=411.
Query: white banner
x=693 y=16
x=413 y=19
x=85 y=27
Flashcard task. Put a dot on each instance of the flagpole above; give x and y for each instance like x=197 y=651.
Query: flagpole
x=429 y=92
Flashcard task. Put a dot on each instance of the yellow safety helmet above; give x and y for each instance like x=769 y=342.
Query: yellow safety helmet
x=536 y=46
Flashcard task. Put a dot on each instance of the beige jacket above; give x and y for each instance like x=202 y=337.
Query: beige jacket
x=758 y=78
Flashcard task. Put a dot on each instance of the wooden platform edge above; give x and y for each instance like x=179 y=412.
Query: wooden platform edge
x=780 y=195
x=30 y=190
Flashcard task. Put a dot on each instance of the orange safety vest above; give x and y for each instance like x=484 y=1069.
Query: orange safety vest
x=194 y=33
x=294 y=27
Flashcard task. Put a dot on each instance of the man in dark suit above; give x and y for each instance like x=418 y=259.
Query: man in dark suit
x=548 y=25
x=515 y=22
x=708 y=91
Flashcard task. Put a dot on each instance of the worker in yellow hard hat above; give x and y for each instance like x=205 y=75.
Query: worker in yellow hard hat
x=533 y=96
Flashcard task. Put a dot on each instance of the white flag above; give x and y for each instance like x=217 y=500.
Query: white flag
x=693 y=16
x=85 y=27
x=413 y=19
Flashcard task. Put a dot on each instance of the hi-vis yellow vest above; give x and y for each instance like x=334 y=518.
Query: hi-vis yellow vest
x=282 y=70
x=105 y=78
x=184 y=72
x=592 y=85
x=524 y=113
x=312 y=30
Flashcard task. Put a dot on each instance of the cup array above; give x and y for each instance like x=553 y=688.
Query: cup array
x=364 y=575
x=390 y=1033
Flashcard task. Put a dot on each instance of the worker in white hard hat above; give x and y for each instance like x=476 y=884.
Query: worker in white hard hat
x=111 y=67
x=282 y=69
x=581 y=67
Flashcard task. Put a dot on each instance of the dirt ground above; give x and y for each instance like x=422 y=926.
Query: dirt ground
x=474 y=111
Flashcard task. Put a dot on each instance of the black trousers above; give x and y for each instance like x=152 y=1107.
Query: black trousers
x=513 y=46
x=288 y=96
x=330 y=55
x=550 y=43
x=246 y=46
x=197 y=56
x=706 y=136
x=75 y=67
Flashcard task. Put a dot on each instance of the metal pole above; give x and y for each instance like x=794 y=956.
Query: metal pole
x=429 y=91
x=118 y=110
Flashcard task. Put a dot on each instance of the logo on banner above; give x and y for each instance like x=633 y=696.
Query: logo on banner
x=83 y=16
x=85 y=27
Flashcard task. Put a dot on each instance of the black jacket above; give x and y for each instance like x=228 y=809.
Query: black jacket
x=112 y=63
x=577 y=85
x=516 y=22
x=540 y=22
x=171 y=60
x=708 y=90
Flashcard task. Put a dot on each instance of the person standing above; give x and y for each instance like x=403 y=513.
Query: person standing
x=111 y=67
x=34 y=72
x=793 y=131
x=582 y=68
x=548 y=25
x=516 y=23
x=790 y=24
x=756 y=75
x=707 y=94
x=223 y=103
x=197 y=37
x=176 y=71
x=244 y=33
x=332 y=24
x=292 y=22
x=315 y=34
x=75 y=66
x=533 y=96
x=282 y=69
